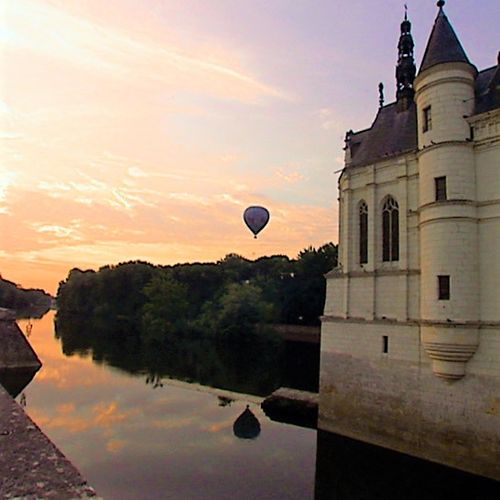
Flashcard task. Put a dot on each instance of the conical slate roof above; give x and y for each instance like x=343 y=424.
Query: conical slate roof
x=443 y=45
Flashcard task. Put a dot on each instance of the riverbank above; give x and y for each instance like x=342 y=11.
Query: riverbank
x=30 y=464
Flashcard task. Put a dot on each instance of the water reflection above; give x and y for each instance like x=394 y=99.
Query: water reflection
x=246 y=426
x=258 y=367
x=180 y=441
x=351 y=470
x=15 y=380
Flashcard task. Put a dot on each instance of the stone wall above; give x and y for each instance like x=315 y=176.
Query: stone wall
x=394 y=399
x=15 y=350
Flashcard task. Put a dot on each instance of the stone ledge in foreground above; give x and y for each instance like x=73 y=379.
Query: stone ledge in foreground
x=30 y=464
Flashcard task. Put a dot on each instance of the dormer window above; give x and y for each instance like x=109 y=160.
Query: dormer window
x=427 y=119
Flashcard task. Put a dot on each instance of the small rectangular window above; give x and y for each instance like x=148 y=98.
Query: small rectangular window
x=440 y=183
x=385 y=344
x=427 y=118
x=443 y=287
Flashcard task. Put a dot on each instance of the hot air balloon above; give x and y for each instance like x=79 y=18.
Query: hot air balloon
x=256 y=219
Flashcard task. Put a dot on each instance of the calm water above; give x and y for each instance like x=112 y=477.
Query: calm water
x=138 y=436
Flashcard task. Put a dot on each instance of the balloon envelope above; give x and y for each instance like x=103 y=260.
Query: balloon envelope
x=256 y=219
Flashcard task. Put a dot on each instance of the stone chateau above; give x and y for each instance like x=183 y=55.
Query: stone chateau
x=410 y=340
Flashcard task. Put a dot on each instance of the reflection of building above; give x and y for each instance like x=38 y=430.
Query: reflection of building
x=347 y=469
x=410 y=344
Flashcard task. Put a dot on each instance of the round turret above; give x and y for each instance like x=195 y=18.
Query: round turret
x=449 y=304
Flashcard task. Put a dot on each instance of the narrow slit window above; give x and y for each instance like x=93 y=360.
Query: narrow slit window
x=363 y=233
x=385 y=344
x=427 y=119
x=443 y=287
x=440 y=183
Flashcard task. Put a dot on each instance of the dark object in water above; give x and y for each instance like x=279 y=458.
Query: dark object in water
x=246 y=426
x=292 y=406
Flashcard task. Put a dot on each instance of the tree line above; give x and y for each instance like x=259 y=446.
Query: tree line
x=233 y=298
x=32 y=302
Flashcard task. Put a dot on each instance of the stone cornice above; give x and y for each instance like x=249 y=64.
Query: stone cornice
x=431 y=73
x=335 y=274
x=426 y=149
x=384 y=161
x=327 y=318
x=455 y=218
x=484 y=117
x=453 y=201
x=376 y=321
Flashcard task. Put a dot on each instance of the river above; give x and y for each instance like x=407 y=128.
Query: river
x=137 y=436
x=163 y=439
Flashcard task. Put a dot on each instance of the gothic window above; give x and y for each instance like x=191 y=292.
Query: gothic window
x=390 y=230
x=427 y=119
x=363 y=233
x=440 y=183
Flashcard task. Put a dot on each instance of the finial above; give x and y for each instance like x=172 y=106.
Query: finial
x=440 y=4
x=380 y=94
x=406 y=12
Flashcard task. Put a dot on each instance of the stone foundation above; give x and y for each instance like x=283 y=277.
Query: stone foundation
x=394 y=399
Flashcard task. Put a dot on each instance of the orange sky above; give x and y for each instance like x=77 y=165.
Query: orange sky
x=138 y=129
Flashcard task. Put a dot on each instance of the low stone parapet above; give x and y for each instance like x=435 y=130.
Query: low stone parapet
x=30 y=464
x=15 y=350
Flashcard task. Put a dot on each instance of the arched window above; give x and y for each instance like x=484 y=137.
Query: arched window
x=363 y=233
x=390 y=230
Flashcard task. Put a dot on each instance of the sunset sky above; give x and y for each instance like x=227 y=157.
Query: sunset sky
x=141 y=129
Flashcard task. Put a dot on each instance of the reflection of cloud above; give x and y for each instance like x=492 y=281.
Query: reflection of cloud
x=103 y=416
x=173 y=424
x=221 y=426
x=66 y=408
x=115 y=445
x=108 y=414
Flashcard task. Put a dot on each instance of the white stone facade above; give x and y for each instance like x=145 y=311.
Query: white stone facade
x=401 y=366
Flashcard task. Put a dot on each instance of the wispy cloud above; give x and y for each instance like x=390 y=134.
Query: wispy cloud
x=87 y=44
x=329 y=119
x=126 y=139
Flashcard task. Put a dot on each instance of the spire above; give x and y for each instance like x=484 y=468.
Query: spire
x=380 y=94
x=443 y=45
x=405 y=69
